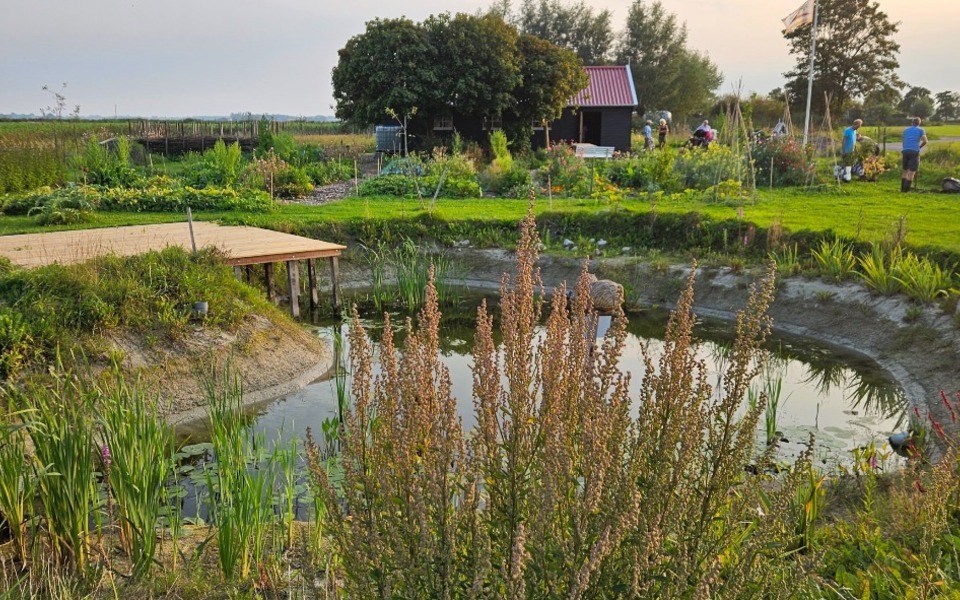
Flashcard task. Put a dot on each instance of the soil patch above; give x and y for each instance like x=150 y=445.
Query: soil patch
x=271 y=356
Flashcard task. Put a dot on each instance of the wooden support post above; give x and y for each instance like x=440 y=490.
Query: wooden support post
x=293 y=281
x=249 y=272
x=312 y=282
x=335 y=282
x=238 y=273
x=268 y=281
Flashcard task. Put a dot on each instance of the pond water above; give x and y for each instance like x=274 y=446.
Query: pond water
x=845 y=399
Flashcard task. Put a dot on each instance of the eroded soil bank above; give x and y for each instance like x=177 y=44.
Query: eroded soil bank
x=272 y=356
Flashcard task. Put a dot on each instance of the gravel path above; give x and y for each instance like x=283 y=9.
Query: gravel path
x=328 y=193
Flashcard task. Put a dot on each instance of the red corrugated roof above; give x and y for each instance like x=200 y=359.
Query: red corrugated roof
x=609 y=86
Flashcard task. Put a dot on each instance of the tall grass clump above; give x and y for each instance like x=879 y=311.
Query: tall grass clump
x=18 y=480
x=26 y=168
x=835 y=259
x=136 y=451
x=564 y=490
x=879 y=269
x=64 y=441
x=240 y=489
x=408 y=267
x=922 y=279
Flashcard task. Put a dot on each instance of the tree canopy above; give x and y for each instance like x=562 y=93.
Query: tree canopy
x=574 y=26
x=948 y=106
x=666 y=74
x=387 y=67
x=473 y=65
x=856 y=54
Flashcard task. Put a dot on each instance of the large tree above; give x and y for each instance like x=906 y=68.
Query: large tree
x=948 y=106
x=389 y=67
x=574 y=26
x=666 y=74
x=917 y=102
x=478 y=60
x=856 y=54
x=471 y=65
x=551 y=75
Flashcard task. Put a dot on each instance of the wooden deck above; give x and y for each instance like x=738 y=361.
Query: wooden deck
x=243 y=246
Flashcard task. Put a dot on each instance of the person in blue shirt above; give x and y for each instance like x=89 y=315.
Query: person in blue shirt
x=914 y=138
x=648 y=135
x=850 y=139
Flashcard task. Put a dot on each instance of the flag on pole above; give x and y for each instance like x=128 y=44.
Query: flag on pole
x=798 y=18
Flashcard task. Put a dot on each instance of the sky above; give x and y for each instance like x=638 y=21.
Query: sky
x=179 y=58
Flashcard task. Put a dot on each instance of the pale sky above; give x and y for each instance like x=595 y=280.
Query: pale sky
x=213 y=57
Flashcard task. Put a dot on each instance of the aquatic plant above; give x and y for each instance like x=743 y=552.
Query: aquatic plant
x=63 y=436
x=240 y=496
x=835 y=259
x=137 y=443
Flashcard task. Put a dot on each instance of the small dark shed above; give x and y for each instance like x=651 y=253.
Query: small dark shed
x=600 y=114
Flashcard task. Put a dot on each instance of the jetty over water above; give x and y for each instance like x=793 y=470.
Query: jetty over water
x=243 y=247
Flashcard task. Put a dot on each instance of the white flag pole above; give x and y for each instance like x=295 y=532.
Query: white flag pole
x=813 y=54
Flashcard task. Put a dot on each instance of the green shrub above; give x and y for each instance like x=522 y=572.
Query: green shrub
x=107 y=164
x=292 y=182
x=159 y=196
x=401 y=186
x=500 y=148
x=702 y=168
x=784 y=159
x=565 y=172
x=647 y=172
x=218 y=166
x=330 y=171
x=24 y=169
x=503 y=182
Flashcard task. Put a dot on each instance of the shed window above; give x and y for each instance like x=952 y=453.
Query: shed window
x=444 y=122
x=491 y=123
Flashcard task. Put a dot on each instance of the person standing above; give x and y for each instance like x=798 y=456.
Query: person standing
x=663 y=130
x=850 y=139
x=648 y=135
x=914 y=138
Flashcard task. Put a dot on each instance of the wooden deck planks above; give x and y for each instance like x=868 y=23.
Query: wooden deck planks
x=243 y=245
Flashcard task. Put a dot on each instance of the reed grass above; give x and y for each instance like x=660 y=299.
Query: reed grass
x=65 y=445
x=408 y=267
x=18 y=480
x=835 y=259
x=240 y=487
x=879 y=268
x=139 y=444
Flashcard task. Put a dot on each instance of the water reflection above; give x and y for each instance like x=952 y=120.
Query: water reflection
x=844 y=399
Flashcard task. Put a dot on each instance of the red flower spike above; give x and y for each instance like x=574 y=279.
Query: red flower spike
x=946 y=402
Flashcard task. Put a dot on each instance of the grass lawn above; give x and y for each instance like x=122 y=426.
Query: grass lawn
x=863 y=211
x=859 y=210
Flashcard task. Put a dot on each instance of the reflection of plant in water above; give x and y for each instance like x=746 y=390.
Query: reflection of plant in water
x=873 y=394
x=826 y=375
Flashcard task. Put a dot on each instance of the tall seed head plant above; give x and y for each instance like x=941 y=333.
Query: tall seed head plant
x=561 y=491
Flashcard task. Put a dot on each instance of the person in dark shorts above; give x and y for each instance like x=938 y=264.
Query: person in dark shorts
x=914 y=138
x=663 y=130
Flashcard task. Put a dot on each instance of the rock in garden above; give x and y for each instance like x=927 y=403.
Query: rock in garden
x=606 y=295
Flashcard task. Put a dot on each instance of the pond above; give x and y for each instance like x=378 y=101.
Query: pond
x=844 y=399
